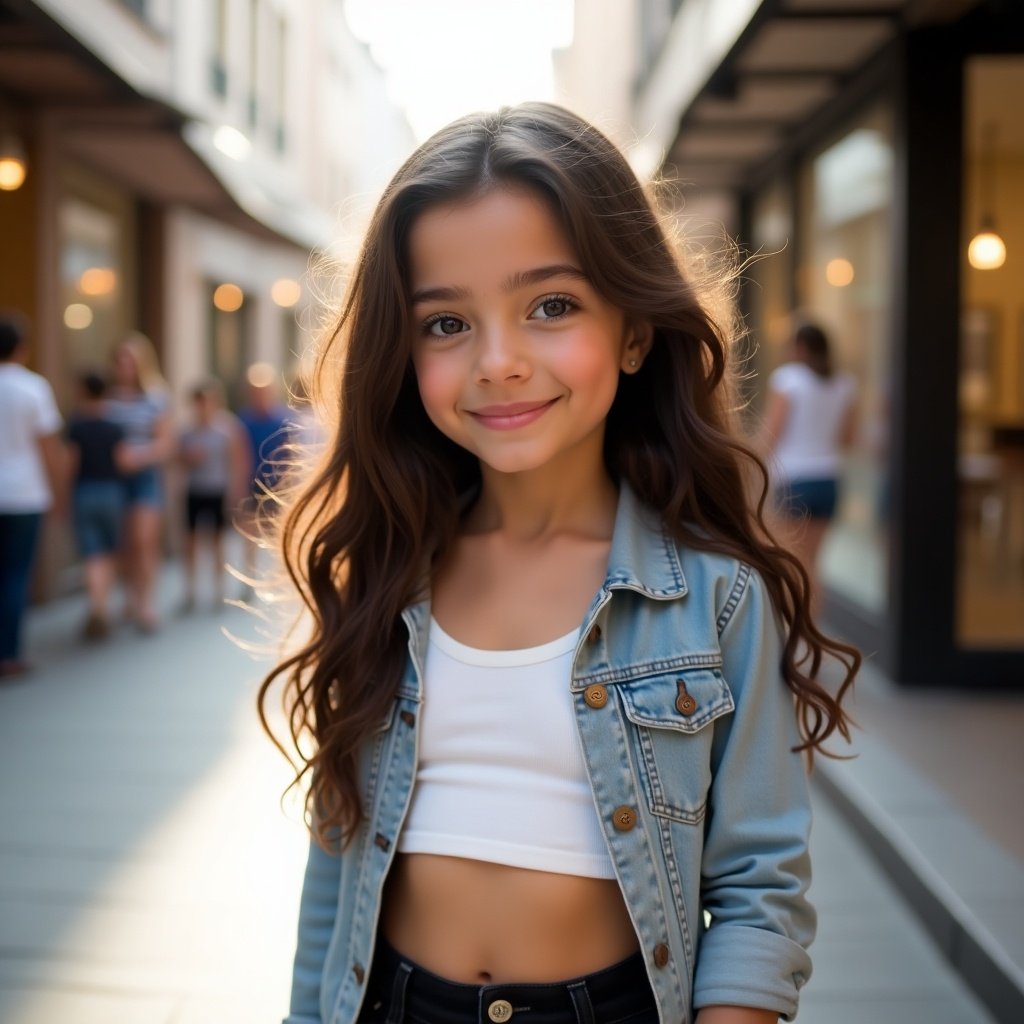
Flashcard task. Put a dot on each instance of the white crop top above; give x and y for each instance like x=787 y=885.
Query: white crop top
x=501 y=775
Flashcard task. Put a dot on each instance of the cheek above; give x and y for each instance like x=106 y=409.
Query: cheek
x=592 y=371
x=435 y=385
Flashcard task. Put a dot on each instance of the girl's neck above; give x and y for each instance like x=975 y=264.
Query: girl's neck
x=533 y=506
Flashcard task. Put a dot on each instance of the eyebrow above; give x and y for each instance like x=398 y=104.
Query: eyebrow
x=513 y=283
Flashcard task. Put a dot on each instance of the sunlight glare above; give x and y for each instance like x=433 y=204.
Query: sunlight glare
x=451 y=57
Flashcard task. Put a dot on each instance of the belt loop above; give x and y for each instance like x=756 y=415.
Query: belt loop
x=581 y=1002
x=396 y=1011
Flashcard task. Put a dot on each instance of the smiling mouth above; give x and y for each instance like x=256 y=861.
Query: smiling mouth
x=509 y=417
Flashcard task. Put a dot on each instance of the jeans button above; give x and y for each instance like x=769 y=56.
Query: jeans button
x=500 y=1010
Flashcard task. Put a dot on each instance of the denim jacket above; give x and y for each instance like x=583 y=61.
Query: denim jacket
x=687 y=731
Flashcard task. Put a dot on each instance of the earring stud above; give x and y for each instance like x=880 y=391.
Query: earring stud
x=632 y=363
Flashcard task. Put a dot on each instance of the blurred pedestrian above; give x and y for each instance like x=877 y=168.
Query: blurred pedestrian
x=31 y=480
x=266 y=421
x=809 y=421
x=138 y=400
x=99 y=457
x=215 y=453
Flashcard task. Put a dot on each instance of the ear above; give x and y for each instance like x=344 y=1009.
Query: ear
x=639 y=339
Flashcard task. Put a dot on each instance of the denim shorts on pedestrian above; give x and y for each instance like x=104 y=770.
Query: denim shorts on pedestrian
x=98 y=506
x=144 y=488
x=399 y=991
x=815 y=498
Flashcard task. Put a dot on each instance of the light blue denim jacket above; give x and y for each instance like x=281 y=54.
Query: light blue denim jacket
x=686 y=727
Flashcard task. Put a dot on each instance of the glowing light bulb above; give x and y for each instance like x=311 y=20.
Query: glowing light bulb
x=228 y=298
x=285 y=292
x=77 y=316
x=987 y=251
x=839 y=272
x=12 y=173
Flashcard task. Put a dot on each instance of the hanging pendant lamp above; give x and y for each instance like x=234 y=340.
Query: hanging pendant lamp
x=987 y=250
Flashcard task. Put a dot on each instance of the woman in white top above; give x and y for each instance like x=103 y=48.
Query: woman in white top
x=810 y=420
x=29 y=475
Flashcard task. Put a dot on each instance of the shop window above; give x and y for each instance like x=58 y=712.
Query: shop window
x=219 y=52
x=990 y=462
x=768 y=296
x=843 y=282
x=228 y=340
x=95 y=295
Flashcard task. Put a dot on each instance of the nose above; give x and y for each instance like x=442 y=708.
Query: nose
x=502 y=355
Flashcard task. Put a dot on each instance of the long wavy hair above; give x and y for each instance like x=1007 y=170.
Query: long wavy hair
x=361 y=535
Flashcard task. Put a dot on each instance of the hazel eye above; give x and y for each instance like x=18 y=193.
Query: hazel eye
x=445 y=326
x=554 y=307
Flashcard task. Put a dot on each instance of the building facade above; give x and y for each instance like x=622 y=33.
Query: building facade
x=867 y=151
x=179 y=164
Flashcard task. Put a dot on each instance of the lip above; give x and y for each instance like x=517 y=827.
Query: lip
x=511 y=416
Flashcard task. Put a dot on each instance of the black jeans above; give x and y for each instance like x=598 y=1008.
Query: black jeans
x=399 y=991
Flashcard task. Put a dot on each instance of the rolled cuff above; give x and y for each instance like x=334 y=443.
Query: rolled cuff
x=742 y=966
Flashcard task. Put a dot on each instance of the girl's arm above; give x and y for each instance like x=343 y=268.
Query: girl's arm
x=318 y=909
x=735 y=1015
x=755 y=869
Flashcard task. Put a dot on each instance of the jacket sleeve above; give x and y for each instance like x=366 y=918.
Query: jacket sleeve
x=755 y=869
x=317 y=911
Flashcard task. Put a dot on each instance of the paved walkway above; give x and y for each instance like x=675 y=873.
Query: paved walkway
x=935 y=792
x=148 y=875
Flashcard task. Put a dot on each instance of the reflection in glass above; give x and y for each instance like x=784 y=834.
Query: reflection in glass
x=990 y=464
x=843 y=282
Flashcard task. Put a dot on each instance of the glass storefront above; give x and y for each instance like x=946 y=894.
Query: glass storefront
x=990 y=464
x=96 y=225
x=228 y=340
x=770 y=274
x=844 y=283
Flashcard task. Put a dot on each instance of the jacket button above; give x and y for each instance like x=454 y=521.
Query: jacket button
x=623 y=818
x=596 y=696
x=357 y=970
x=408 y=717
x=594 y=635
x=500 y=1010
x=685 y=704
x=660 y=955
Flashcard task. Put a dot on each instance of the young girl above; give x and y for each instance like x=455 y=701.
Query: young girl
x=560 y=681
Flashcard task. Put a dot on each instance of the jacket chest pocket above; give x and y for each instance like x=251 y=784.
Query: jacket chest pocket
x=672 y=715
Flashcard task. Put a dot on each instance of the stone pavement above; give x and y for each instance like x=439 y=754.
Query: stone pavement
x=935 y=792
x=149 y=876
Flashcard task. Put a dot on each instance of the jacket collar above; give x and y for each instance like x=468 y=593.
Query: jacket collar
x=644 y=557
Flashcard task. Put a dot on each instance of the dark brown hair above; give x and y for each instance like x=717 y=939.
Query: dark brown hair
x=361 y=535
x=813 y=349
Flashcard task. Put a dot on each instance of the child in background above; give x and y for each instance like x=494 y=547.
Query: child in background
x=559 y=682
x=215 y=454
x=98 y=459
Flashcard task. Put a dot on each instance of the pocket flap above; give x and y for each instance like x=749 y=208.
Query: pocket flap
x=685 y=701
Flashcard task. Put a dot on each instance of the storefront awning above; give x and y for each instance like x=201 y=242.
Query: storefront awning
x=142 y=143
x=733 y=83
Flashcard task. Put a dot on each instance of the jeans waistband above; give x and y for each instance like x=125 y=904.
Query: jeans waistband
x=399 y=988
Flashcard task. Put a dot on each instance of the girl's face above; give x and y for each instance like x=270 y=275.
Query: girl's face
x=516 y=355
x=126 y=372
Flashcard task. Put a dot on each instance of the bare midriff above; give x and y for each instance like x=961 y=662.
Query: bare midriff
x=479 y=923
